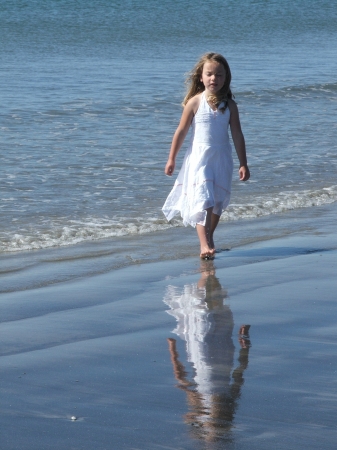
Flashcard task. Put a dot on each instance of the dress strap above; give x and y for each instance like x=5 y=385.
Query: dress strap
x=203 y=102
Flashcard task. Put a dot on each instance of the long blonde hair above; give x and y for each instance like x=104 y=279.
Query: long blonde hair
x=195 y=86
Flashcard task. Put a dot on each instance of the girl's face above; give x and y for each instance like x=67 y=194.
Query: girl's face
x=213 y=77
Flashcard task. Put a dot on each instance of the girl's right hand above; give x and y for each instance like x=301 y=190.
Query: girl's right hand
x=169 y=168
x=186 y=119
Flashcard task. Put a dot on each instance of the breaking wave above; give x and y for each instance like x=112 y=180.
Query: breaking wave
x=58 y=234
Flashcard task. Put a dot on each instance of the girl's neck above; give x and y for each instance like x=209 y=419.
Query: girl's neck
x=216 y=101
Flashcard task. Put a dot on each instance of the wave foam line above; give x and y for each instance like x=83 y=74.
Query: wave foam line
x=93 y=229
x=281 y=202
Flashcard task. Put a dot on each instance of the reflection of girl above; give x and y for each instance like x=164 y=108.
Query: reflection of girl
x=206 y=324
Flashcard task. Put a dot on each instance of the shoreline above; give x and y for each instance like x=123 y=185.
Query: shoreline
x=37 y=268
x=96 y=348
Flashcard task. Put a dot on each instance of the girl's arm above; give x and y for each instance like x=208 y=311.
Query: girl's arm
x=185 y=122
x=239 y=140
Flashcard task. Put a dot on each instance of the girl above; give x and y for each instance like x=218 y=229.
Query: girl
x=202 y=189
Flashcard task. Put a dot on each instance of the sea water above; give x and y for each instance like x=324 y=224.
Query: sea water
x=91 y=96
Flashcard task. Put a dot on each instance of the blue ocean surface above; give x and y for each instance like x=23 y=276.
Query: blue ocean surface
x=91 y=96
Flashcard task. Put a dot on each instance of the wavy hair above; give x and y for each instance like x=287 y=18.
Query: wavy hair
x=195 y=86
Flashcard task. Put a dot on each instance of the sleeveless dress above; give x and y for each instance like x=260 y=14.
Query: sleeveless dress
x=205 y=178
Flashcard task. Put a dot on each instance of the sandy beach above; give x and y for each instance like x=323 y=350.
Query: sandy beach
x=150 y=357
x=114 y=335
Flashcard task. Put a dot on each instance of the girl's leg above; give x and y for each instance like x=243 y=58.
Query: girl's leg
x=206 y=251
x=214 y=223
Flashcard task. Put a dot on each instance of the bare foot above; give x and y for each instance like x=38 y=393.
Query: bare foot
x=206 y=252
x=212 y=250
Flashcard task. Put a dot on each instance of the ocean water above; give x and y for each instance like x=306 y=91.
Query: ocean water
x=91 y=95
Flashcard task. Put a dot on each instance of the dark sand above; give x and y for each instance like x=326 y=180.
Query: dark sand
x=97 y=349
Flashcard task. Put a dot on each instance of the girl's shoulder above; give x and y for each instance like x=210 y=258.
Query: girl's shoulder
x=194 y=102
x=232 y=106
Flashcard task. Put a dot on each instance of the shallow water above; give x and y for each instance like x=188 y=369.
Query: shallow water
x=91 y=98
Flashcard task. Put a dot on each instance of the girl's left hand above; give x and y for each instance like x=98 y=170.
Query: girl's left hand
x=244 y=173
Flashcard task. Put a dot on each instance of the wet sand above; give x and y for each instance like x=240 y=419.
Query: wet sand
x=150 y=356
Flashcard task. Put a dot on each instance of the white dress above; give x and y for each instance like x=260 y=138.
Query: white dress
x=205 y=178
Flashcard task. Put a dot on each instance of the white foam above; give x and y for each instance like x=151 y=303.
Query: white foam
x=73 y=232
x=282 y=202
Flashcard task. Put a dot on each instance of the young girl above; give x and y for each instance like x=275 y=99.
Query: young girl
x=202 y=189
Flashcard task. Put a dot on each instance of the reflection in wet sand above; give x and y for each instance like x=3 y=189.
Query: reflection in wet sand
x=206 y=324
